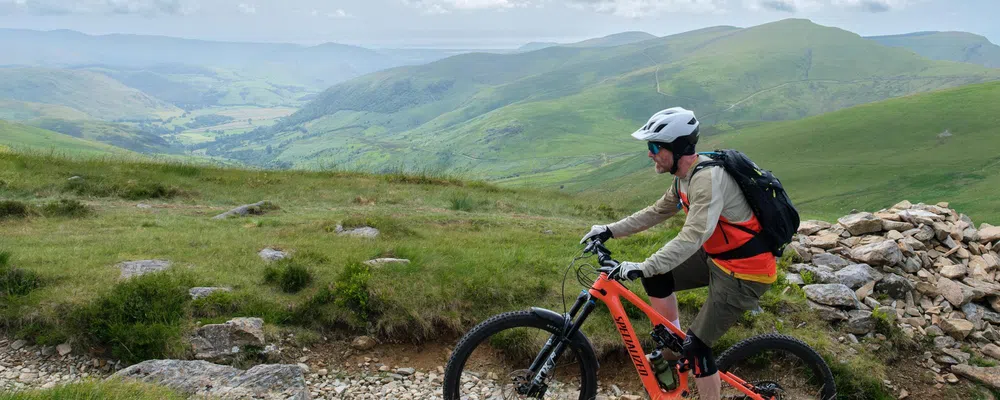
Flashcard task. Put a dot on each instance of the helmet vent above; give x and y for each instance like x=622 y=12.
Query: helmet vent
x=693 y=121
x=660 y=128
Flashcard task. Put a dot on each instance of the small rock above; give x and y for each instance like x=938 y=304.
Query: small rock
x=861 y=223
x=141 y=267
x=855 y=276
x=957 y=328
x=812 y=226
x=143 y=206
x=384 y=261
x=18 y=344
x=831 y=261
x=363 y=343
x=303 y=367
x=953 y=271
x=258 y=208
x=405 y=371
x=860 y=322
x=992 y=350
x=270 y=254
x=895 y=286
x=831 y=294
x=64 y=349
x=363 y=232
x=322 y=372
x=220 y=342
x=885 y=252
x=794 y=279
x=199 y=292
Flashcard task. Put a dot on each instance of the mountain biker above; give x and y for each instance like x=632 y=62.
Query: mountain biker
x=715 y=247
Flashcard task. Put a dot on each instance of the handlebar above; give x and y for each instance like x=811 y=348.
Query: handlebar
x=595 y=246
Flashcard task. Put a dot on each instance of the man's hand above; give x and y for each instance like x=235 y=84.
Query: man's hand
x=626 y=271
x=601 y=232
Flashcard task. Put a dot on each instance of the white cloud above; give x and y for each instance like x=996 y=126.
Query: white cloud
x=339 y=13
x=447 y=6
x=873 y=6
x=651 y=8
x=67 y=7
x=247 y=8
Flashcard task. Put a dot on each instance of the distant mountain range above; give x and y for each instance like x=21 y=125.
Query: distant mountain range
x=951 y=46
x=565 y=110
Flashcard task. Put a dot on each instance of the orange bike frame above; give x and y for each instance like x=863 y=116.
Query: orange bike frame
x=611 y=292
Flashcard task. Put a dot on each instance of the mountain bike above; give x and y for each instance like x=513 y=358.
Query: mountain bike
x=768 y=366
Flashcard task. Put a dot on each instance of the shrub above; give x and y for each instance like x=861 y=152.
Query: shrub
x=13 y=209
x=16 y=281
x=130 y=190
x=351 y=291
x=231 y=304
x=461 y=203
x=315 y=310
x=66 y=208
x=139 y=319
x=289 y=275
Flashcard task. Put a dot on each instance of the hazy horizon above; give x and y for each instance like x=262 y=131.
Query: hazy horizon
x=478 y=24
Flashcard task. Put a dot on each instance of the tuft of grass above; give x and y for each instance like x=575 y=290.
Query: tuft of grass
x=97 y=390
x=289 y=275
x=389 y=227
x=461 y=203
x=14 y=209
x=807 y=277
x=16 y=281
x=139 y=319
x=351 y=292
x=224 y=305
x=128 y=190
x=981 y=362
x=70 y=208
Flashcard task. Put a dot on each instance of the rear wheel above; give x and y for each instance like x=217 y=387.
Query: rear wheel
x=492 y=360
x=782 y=366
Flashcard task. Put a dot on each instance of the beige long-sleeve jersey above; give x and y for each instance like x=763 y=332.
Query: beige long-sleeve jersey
x=711 y=194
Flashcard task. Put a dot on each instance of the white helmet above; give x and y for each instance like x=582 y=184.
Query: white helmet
x=668 y=125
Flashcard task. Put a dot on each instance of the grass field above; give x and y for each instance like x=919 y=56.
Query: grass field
x=475 y=250
x=866 y=157
x=24 y=137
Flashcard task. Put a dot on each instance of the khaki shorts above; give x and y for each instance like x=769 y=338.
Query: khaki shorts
x=728 y=297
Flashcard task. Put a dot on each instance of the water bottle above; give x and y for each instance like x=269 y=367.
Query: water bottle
x=665 y=371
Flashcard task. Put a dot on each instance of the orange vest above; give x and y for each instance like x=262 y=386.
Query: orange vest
x=727 y=239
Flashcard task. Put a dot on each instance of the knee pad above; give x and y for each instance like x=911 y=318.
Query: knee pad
x=700 y=355
x=659 y=286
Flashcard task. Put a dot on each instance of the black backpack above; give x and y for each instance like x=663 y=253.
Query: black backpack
x=765 y=195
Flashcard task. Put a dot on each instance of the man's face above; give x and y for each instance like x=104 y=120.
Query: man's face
x=663 y=160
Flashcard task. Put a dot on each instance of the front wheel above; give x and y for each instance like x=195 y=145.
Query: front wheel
x=492 y=361
x=780 y=367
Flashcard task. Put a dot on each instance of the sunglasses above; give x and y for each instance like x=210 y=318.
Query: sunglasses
x=655 y=147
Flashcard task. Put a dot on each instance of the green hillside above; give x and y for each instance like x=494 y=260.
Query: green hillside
x=565 y=109
x=951 y=46
x=193 y=88
x=23 y=137
x=474 y=250
x=932 y=147
x=94 y=94
x=138 y=138
x=617 y=39
x=13 y=110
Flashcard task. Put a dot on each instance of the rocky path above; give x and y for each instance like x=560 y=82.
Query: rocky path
x=25 y=367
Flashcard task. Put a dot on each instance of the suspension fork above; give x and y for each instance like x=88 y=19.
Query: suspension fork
x=545 y=361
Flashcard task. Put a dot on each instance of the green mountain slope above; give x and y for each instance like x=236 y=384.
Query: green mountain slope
x=617 y=39
x=951 y=46
x=931 y=147
x=127 y=136
x=94 y=94
x=193 y=88
x=564 y=109
x=13 y=110
x=18 y=136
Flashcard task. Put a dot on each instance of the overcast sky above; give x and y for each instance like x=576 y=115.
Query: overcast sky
x=480 y=23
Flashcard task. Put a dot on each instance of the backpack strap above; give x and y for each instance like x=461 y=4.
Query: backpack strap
x=699 y=167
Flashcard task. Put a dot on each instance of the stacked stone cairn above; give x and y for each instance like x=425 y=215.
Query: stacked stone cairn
x=925 y=267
